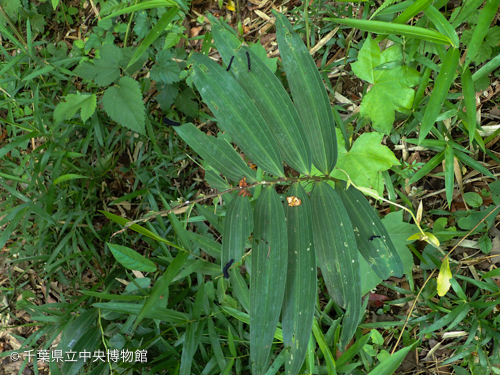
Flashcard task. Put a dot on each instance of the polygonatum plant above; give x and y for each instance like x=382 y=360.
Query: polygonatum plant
x=289 y=238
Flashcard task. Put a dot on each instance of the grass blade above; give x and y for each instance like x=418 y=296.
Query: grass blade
x=470 y=101
x=486 y=15
x=441 y=88
x=379 y=27
x=442 y=25
x=449 y=175
x=155 y=32
x=429 y=166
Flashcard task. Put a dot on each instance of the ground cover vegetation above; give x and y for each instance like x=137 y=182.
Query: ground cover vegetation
x=187 y=187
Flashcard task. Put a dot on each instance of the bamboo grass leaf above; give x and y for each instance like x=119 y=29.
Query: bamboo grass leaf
x=216 y=152
x=236 y=113
x=372 y=238
x=309 y=95
x=300 y=291
x=337 y=254
x=441 y=88
x=269 y=95
x=268 y=277
x=238 y=226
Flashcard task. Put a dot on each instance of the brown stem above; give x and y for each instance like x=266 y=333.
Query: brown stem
x=218 y=194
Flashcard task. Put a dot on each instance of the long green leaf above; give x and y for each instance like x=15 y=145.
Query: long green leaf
x=487 y=68
x=429 y=166
x=19 y=211
x=373 y=240
x=442 y=25
x=353 y=350
x=309 y=95
x=161 y=286
x=154 y=34
x=131 y=259
x=193 y=332
x=245 y=318
x=337 y=254
x=238 y=226
x=449 y=172
x=441 y=88
x=135 y=227
x=379 y=27
x=465 y=11
x=470 y=101
x=474 y=164
x=320 y=338
x=215 y=342
x=75 y=335
x=300 y=291
x=269 y=96
x=236 y=113
x=216 y=152
x=389 y=365
x=422 y=86
x=163 y=314
x=142 y=6
x=486 y=15
x=240 y=288
x=410 y=12
x=414 y=9
x=268 y=278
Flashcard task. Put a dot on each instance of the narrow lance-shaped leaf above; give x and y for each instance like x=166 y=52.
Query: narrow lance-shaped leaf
x=470 y=101
x=337 y=254
x=372 y=238
x=236 y=113
x=269 y=96
x=216 y=152
x=309 y=95
x=238 y=226
x=161 y=286
x=441 y=88
x=193 y=333
x=300 y=291
x=379 y=27
x=442 y=25
x=449 y=172
x=267 y=281
x=130 y=259
x=486 y=15
x=155 y=32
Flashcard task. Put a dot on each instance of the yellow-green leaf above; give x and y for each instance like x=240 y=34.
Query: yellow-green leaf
x=443 y=280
